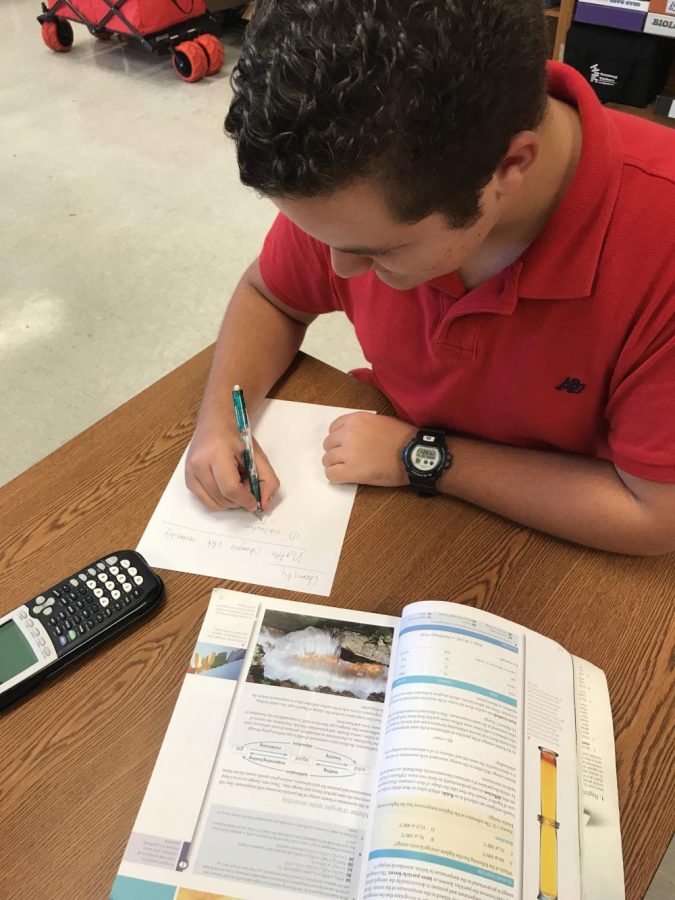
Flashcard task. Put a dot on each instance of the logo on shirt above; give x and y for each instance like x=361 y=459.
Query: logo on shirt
x=571 y=385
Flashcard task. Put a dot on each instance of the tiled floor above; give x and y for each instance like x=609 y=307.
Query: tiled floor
x=123 y=230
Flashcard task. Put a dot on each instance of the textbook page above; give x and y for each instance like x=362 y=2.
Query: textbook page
x=286 y=806
x=472 y=699
x=297 y=544
x=601 y=856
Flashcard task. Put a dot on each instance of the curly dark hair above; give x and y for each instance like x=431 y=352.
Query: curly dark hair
x=422 y=95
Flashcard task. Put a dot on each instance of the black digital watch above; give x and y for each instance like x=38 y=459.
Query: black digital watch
x=425 y=458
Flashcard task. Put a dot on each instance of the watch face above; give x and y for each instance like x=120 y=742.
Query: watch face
x=424 y=459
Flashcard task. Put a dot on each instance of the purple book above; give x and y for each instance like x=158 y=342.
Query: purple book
x=611 y=16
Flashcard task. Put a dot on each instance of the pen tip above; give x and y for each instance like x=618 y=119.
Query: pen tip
x=236 y=388
x=259 y=513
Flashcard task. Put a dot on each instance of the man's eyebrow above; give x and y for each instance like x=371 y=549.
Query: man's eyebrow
x=368 y=251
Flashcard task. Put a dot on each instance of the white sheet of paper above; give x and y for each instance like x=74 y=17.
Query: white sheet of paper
x=296 y=546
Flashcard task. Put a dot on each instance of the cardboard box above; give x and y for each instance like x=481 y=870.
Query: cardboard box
x=611 y=15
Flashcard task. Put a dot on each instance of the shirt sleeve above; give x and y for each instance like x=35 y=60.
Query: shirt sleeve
x=297 y=269
x=641 y=408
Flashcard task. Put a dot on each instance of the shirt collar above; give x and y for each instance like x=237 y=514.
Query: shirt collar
x=562 y=261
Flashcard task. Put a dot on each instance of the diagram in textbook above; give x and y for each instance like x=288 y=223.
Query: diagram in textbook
x=548 y=826
x=299 y=759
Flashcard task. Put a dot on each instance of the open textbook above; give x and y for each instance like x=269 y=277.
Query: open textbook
x=325 y=753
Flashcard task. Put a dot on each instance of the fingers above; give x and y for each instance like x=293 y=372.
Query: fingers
x=338 y=474
x=233 y=490
x=215 y=476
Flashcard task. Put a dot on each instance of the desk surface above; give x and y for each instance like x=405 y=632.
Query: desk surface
x=77 y=756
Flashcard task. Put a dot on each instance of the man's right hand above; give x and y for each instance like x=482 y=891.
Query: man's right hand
x=215 y=472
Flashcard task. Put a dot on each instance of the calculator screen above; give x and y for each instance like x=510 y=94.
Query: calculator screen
x=15 y=651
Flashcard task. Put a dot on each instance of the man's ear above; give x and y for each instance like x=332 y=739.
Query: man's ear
x=517 y=162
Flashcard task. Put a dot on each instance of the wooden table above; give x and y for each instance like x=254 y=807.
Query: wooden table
x=77 y=756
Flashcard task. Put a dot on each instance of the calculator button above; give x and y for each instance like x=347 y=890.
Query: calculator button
x=111 y=560
x=72 y=634
x=61 y=614
x=23 y=614
x=74 y=582
x=133 y=571
x=137 y=593
x=100 y=565
x=99 y=618
x=115 y=594
x=58 y=630
x=79 y=604
x=117 y=606
x=81 y=629
x=98 y=592
x=107 y=612
x=85 y=613
x=91 y=570
x=127 y=601
x=125 y=563
x=48 y=610
x=82 y=576
x=63 y=640
x=41 y=641
x=138 y=579
x=56 y=593
x=33 y=630
x=102 y=576
x=41 y=600
x=52 y=622
x=114 y=570
x=67 y=623
x=104 y=602
x=91 y=584
x=90 y=625
x=76 y=619
x=82 y=591
x=121 y=577
x=45 y=652
x=70 y=609
x=126 y=587
x=110 y=585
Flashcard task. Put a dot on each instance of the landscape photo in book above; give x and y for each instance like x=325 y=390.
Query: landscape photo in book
x=329 y=656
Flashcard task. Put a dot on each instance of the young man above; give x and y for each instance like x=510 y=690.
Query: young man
x=503 y=248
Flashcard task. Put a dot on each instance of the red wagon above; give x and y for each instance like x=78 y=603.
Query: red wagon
x=183 y=28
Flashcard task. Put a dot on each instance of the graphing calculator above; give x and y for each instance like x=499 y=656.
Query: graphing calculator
x=59 y=625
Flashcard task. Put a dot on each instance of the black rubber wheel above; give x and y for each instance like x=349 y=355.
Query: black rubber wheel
x=64 y=31
x=182 y=64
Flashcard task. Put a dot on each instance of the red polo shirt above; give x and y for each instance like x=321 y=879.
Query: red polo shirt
x=572 y=347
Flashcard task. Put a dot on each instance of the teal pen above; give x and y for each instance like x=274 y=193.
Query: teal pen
x=244 y=429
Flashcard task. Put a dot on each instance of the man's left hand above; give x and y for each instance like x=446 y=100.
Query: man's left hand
x=362 y=448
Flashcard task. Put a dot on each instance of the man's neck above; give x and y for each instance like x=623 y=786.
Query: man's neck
x=549 y=177
x=543 y=189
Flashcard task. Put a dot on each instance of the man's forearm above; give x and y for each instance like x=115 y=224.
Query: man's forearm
x=573 y=497
x=256 y=344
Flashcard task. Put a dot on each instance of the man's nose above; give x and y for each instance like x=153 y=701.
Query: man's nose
x=348 y=265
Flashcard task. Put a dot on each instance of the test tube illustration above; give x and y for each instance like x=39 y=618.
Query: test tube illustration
x=548 y=826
